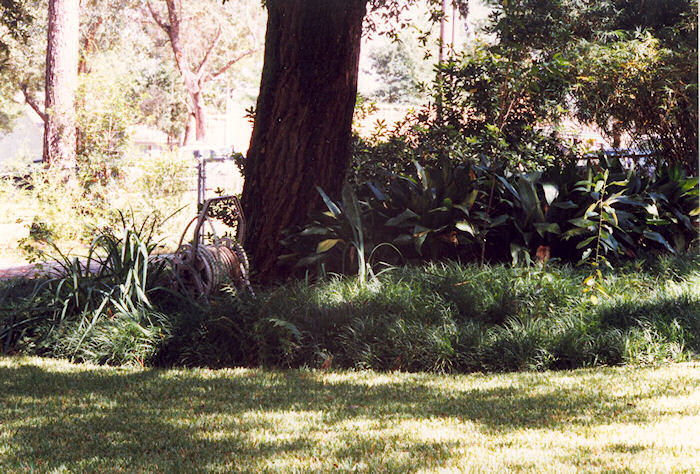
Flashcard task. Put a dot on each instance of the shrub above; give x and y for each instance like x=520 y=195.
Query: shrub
x=600 y=213
x=128 y=336
x=436 y=317
x=98 y=308
x=218 y=332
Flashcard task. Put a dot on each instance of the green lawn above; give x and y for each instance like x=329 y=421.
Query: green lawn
x=55 y=416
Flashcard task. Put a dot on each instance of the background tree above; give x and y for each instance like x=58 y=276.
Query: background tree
x=61 y=83
x=16 y=21
x=397 y=70
x=126 y=75
x=640 y=78
x=634 y=65
x=198 y=34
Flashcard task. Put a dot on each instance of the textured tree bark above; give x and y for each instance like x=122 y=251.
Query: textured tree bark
x=61 y=81
x=302 y=131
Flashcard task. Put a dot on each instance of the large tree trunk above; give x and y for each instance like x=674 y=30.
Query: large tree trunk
x=302 y=131
x=61 y=82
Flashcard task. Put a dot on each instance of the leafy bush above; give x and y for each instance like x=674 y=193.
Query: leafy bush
x=598 y=213
x=130 y=336
x=628 y=67
x=67 y=215
x=214 y=333
x=437 y=317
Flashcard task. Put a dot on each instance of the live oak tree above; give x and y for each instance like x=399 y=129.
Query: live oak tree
x=301 y=136
x=302 y=130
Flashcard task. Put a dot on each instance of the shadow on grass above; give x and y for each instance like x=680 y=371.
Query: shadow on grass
x=260 y=420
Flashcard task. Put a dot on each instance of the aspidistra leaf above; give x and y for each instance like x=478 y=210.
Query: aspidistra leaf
x=326 y=245
x=335 y=210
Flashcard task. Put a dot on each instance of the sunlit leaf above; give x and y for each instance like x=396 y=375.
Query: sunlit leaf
x=332 y=207
x=551 y=191
x=326 y=245
x=585 y=242
x=465 y=226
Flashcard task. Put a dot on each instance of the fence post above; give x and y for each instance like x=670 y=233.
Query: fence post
x=200 y=178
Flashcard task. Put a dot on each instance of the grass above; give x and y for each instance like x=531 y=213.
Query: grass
x=440 y=317
x=58 y=417
x=448 y=317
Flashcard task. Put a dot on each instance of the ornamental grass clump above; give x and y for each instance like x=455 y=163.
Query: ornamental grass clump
x=98 y=308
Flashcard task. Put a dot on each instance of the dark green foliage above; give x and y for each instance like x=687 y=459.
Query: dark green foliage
x=630 y=72
x=631 y=66
x=478 y=174
x=486 y=107
x=214 y=333
x=599 y=213
x=437 y=317
x=453 y=318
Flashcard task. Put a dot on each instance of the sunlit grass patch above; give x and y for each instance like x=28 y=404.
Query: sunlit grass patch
x=57 y=416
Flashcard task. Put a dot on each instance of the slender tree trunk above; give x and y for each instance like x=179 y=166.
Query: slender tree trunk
x=441 y=58
x=302 y=131
x=200 y=117
x=187 y=137
x=61 y=82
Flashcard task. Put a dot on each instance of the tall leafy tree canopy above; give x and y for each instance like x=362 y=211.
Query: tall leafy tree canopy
x=15 y=22
x=14 y=19
x=634 y=64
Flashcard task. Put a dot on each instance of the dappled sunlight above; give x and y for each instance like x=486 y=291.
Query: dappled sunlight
x=689 y=286
x=57 y=415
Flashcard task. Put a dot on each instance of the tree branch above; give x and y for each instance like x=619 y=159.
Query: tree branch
x=158 y=19
x=31 y=101
x=232 y=62
x=207 y=55
x=173 y=31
